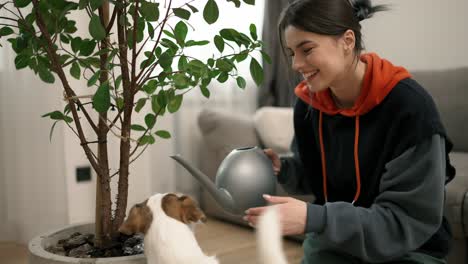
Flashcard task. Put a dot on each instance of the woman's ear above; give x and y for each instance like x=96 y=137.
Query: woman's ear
x=349 y=41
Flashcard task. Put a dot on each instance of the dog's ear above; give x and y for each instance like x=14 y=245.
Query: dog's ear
x=190 y=212
x=138 y=221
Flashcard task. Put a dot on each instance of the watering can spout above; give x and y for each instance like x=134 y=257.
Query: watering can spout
x=221 y=195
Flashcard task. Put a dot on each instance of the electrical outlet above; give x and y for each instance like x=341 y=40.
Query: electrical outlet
x=83 y=174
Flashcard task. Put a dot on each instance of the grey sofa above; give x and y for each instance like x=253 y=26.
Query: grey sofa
x=272 y=127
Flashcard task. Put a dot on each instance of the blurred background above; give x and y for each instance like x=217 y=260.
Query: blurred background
x=39 y=187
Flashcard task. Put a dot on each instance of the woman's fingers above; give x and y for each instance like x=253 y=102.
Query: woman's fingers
x=271 y=154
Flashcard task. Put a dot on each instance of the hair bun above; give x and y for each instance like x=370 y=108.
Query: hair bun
x=362 y=9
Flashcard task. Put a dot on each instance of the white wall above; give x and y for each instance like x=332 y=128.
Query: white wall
x=32 y=168
x=420 y=34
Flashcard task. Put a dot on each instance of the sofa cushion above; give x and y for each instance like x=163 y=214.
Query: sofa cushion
x=275 y=128
x=449 y=88
x=226 y=131
x=456 y=192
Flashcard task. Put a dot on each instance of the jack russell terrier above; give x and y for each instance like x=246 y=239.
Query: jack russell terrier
x=167 y=221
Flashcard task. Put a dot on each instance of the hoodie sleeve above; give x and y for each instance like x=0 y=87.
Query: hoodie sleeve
x=406 y=213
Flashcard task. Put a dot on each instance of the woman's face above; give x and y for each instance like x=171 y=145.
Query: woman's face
x=322 y=60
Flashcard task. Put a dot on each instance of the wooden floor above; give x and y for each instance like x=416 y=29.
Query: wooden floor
x=232 y=244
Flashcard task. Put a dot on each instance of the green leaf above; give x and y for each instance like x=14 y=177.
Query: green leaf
x=194 y=9
x=196 y=67
x=146 y=139
x=101 y=99
x=191 y=43
x=118 y=81
x=181 y=81
x=168 y=33
x=22 y=3
x=182 y=65
x=223 y=77
x=211 y=62
x=241 y=82
x=180 y=31
x=5 y=31
x=140 y=104
x=138 y=128
x=237 y=3
x=46 y=75
x=224 y=65
x=150 y=87
x=57 y=115
x=241 y=56
x=82 y=4
x=219 y=43
x=150 y=120
x=150 y=29
x=250 y=2
x=256 y=71
x=92 y=81
x=211 y=12
x=150 y=11
x=52 y=131
x=204 y=90
x=163 y=134
x=22 y=61
x=165 y=60
x=253 y=31
x=266 y=57
x=229 y=34
x=76 y=44
x=87 y=47
x=95 y=4
x=120 y=103
x=96 y=29
x=175 y=103
x=75 y=70
x=155 y=106
x=182 y=13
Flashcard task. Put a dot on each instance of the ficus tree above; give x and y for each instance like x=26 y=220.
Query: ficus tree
x=134 y=62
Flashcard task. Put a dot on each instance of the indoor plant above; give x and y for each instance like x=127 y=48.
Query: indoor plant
x=134 y=63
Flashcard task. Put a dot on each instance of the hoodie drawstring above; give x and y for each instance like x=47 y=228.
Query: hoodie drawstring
x=356 y=159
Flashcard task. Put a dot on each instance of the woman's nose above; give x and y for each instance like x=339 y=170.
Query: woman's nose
x=297 y=63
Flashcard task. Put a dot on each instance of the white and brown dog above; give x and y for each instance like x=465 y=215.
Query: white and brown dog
x=167 y=221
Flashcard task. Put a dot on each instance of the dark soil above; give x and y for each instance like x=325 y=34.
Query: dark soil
x=82 y=246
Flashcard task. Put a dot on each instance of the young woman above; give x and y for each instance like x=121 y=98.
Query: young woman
x=369 y=144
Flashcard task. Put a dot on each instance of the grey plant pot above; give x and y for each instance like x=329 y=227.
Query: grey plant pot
x=38 y=254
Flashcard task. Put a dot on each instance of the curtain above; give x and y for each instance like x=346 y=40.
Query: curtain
x=279 y=83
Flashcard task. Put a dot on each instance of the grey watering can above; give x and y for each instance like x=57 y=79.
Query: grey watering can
x=242 y=178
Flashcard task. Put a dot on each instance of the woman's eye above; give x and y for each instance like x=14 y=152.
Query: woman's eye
x=308 y=50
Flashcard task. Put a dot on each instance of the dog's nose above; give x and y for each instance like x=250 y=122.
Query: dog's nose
x=204 y=219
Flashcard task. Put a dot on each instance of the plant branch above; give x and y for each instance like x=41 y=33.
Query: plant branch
x=134 y=33
x=59 y=70
x=111 y=22
x=155 y=44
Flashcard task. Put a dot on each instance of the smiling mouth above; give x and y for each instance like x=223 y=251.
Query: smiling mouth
x=310 y=76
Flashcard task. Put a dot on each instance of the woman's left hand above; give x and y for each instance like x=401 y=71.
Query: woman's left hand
x=292 y=214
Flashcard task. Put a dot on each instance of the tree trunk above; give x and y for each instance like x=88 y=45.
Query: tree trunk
x=103 y=218
x=126 y=123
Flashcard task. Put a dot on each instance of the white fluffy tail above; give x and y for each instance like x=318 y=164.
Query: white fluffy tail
x=269 y=238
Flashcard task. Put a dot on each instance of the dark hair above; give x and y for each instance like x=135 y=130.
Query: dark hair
x=328 y=17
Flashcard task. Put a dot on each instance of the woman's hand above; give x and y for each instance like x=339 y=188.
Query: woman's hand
x=275 y=160
x=292 y=214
